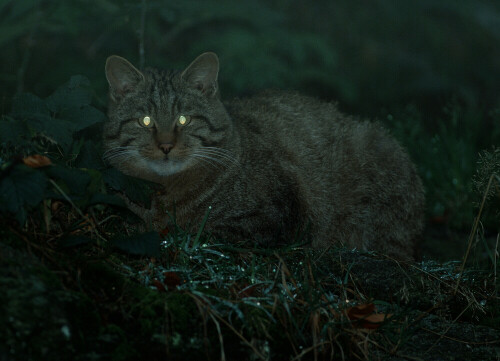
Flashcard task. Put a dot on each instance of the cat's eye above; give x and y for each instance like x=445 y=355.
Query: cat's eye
x=146 y=121
x=184 y=119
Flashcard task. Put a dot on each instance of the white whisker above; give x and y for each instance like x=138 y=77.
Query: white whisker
x=206 y=162
x=211 y=160
x=119 y=152
x=221 y=154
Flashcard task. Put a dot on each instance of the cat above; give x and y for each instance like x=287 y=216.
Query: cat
x=267 y=168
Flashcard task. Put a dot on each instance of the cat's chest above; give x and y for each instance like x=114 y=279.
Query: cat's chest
x=240 y=200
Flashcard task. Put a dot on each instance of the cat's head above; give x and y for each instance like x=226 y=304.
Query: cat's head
x=165 y=122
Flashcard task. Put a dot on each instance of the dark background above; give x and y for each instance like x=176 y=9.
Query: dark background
x=430 y=70
x=366 y=54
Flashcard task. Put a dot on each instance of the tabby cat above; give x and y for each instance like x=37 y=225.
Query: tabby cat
x=267 y=167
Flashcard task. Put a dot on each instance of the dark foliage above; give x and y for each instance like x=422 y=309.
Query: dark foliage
x=81 y=277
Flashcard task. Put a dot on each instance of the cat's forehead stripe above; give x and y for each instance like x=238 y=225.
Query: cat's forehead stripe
x=156 y=96
x=163 y=94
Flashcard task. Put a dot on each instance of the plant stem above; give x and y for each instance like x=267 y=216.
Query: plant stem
x=472 y=233
x=141 y=35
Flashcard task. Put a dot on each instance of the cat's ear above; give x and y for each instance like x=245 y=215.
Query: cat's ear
x=122 y=76
x=202 y=73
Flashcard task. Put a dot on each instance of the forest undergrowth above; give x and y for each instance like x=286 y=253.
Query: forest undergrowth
x=83 y=279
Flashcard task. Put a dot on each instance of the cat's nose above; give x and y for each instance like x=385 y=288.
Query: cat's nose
x=165 y=147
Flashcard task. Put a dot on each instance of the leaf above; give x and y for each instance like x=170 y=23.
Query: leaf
x=96 y=184
x=75 y=93
x=72 y=241
x=109 y=199
x=27 y=105
x=136 y=189
x=365 y=316
x=89 y=156
x=159 y=286
x=23 y=187
x=11 y=130
x=76 y=180
x=164 y=232
x=171 y=280
x=36 y=161
x=58 y=130
x=82 y=117
x=146 y=244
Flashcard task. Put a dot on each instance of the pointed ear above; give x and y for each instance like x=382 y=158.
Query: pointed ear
x=122 y=76
x=202 y=73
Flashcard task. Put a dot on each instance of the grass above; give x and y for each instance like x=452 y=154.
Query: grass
x=202 y=299
x=76 y=265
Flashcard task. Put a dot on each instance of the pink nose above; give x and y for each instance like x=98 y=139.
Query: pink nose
x=166 y=147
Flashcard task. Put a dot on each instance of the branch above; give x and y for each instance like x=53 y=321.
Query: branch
x=141 y=35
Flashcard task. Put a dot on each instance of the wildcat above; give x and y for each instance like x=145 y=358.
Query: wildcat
x=267 y=166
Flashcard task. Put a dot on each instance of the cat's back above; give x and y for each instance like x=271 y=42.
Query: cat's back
x=306 y=135
x=286 y=116
x=348 y=172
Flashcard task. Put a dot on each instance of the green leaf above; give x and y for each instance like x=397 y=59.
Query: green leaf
x=12 y=130
x=109 y=199
x=90 y=156
x=76 y=180
x=82 y=117
x=75 y=93
x=58 y=130
x=72 y=241
x=146 y=244
x=96 y=184
x=27 y=105
x=22 y=187
x=137 y=190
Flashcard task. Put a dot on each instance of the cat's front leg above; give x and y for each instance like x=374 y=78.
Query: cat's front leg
x=147 y=215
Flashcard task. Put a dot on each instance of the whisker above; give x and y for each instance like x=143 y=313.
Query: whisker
x=207 y=160
x=218 y=152
x=223 y=162
x=118 y=152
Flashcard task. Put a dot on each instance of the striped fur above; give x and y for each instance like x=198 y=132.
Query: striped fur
x=267 y=166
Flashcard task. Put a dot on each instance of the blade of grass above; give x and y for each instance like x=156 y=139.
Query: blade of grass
x=473 y=232
x=202 y=227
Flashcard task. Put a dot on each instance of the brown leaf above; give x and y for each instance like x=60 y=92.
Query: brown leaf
x=164 y=231
x=246 y=290
x=365 y=316
x=37 y=161
x=159 y=286
x=360 y=311
x=56 y=205
x=171 y=279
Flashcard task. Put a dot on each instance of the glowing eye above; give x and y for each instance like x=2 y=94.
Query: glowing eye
x=146 y=121
x=182 y=120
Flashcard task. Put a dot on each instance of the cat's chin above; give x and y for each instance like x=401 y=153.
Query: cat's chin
x=165 y=168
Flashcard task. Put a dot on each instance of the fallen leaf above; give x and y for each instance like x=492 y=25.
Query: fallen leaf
x=245 y=291
x=365 y=316
x=171 y=279
x=360 y=311
x=37 y=161
x=159 y=286
x=164 y=232
x=56 y=205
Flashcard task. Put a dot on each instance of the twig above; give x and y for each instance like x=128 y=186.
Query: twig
x=472 y=233
x=76 y=208
x=309 y=349
x=462 y=341
x=213 y=312
x=141 y=35
x=495 y=256
x=446 y=331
